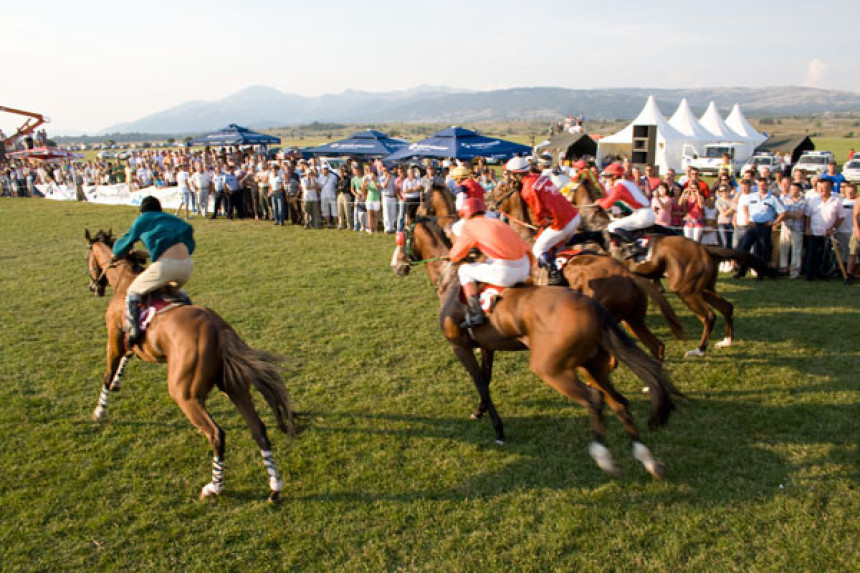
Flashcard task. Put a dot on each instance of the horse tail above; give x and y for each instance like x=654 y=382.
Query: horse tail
x=665 y=308
x=754 y=262
x=649 y=370
x=243 y=363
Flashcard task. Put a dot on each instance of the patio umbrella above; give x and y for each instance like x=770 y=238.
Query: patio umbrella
x=459 y=143
x=234 y=135
x=368 y=143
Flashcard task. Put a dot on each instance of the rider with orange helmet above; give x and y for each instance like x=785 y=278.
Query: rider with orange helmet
x=507 y=256
x=552 y=211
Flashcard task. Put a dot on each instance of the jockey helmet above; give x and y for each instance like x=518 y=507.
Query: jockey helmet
x=150 y=203
x=518 y=165
x=460 y=172
x=614 y=170
x=471 y=207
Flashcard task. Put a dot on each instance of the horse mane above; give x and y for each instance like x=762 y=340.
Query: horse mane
x=136 y=259
x=105 y=237
x=435 y=229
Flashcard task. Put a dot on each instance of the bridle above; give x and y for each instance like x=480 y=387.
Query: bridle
x=404 y=240
x=98 y=283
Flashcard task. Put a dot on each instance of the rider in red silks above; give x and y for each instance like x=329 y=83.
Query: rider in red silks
x=467 y=187
x=558 y=217
x=629 y=197
x=507 y=256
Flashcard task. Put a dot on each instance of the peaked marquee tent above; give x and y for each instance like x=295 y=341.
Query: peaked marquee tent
x=739 y=124
x=235 y=135
x=684 y=121
x=668 y=152
x=367 y=143
x=459 y=143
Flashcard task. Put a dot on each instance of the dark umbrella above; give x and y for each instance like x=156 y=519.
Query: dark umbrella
x=235 y=135
x=459 y=143
x=368 y=143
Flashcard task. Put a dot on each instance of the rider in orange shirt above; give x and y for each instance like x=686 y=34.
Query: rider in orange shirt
x=507 y=256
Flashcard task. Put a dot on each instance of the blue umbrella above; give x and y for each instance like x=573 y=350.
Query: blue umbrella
x=235 y=135
x=366 y=143
x=459 y=143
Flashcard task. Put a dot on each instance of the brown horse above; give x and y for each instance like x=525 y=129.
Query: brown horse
x=690 y=267
x=438 y=202
x=562 y=329
x=623 y=294
x=201 y=351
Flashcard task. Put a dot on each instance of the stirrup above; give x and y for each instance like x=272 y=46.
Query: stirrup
x=473 y=320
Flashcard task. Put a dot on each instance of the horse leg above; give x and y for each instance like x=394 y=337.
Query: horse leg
x=467 y=358
x=697 y=304
x=599 y=368
x=487 y=371
x=643 y=333
x=195 y=410
x=725 y=308
x=242 y=399
x=567 y=383
x=116 y=362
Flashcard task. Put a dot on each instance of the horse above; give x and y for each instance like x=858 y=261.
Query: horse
x=562 y=330
x=201 y=351
x=691 y=268
x=438 y=202
x=623 y=294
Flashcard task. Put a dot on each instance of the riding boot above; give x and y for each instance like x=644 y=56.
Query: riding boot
x=633 y=248
x=555 y=277
x=474 y=313
x=133 y=314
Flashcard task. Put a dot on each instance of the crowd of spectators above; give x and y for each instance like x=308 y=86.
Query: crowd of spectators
x=370 y=197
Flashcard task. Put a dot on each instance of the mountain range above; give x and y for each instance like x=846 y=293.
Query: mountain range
x=265 y=107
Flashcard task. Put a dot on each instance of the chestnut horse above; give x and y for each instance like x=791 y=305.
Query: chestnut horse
x=622 y=293
x=690 y=267
x=201 y=351
x=562 y=329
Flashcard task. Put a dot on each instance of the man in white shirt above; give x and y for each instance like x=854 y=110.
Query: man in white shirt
x=328 y=196
x=311 y=199
x=845 y=230
x=823 y=217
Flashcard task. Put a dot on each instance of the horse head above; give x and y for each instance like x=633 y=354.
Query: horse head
x=423 y=241
x=507 y=199
x=98 y=259
x=585 y=196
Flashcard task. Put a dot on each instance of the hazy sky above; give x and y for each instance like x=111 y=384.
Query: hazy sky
x=89 y=64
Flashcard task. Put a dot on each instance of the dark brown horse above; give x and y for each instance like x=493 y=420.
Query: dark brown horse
x=201 y=351
x=690 y=267
x=563 y=331
x=623 y=294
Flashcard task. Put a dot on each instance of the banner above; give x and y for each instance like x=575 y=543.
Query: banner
x=119 y=194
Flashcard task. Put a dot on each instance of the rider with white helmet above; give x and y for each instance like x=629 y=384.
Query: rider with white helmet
x=555 y=214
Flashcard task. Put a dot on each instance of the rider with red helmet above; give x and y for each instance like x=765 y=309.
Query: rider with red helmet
x=507 y=256
x=551 y=210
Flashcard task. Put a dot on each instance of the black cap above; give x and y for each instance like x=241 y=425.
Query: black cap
x=150 y=203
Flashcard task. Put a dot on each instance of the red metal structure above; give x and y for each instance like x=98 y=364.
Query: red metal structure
x=34 y=120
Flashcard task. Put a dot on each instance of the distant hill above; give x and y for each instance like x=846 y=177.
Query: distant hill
x=265 y=107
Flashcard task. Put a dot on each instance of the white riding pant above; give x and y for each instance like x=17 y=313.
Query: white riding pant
x=552 y=237
x=499 y=272
x=161 y=273
x=639 y=219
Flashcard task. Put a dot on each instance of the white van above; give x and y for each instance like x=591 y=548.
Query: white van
x=709 y=161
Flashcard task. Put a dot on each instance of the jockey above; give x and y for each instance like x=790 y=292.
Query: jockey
x=552 y=211
x=507 y=262
x=467 y=187
x=631 y=198
x=170 y=242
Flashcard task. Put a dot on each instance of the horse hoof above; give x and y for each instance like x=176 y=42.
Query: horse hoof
x=646 y=389
x=500 y=442
x=275 y=497
x=695 y=353
x=657 y=471
x=100 y=414
x=115 y=386
x=211 y=490
x=476 y=415
x=724 y=343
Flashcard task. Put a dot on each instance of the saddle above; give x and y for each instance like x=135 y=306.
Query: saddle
x=160 y=301
x=488 y=294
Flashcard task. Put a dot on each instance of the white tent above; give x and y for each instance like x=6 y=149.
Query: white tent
x=668 y=151
x=713 y=122
x=739 y=124
x=684 y=121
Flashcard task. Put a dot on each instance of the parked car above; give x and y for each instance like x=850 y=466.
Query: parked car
x=851 y=171
x=813 y=163
x=106 y=155
x=708 y=162
x=763 y=161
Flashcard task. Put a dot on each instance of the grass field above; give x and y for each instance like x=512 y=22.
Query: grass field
x=390 y=474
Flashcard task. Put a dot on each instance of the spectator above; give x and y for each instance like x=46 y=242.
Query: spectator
x=791 y=233
x=344 y=199
x=725 y=215
x=764 y=211
x=311 y=199
x=182 y=180
x=328 y=196
x=694 y=181
x=837 y=179
x=846 y=229
x=389 y=200
x=652 y=177
x=201 y=181
x=823 y=217
x=277 y=195
x=360 y=209
x=693 y=203
x=373 y=199
x=662 y=203
x=293 y=193
x=411 y=194
x=218 y=178
x=854 y=244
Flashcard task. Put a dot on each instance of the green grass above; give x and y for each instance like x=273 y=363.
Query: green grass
x=390 y=474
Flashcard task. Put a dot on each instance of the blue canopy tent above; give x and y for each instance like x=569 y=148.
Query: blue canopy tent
x=235 y=135
x=459 y=143
x=368 y=143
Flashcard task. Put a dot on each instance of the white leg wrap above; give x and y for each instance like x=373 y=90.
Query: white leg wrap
x=643 y=454
x=275 y=483
x=694 y=353
x=725 y=342
x=212 y=489
x=100 y=413
x=116 y=383
x=603 y=457
x=216 y=486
